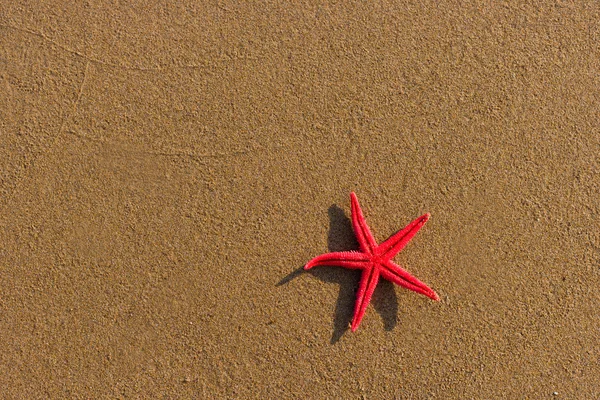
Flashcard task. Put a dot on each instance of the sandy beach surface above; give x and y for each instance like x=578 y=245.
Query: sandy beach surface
x=167 y=168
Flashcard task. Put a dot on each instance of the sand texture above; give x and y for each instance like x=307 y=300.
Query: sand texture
x=167 y=168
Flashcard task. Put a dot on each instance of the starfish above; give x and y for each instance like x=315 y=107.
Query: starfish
x=375 y=260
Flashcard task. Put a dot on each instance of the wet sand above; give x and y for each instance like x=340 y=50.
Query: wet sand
x=166 y=171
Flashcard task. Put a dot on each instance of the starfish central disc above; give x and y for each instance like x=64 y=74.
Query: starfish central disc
x=377 y=260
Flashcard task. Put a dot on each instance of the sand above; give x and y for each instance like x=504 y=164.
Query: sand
x=166 y=170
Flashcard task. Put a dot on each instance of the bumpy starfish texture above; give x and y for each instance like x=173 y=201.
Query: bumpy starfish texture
x=374 y=260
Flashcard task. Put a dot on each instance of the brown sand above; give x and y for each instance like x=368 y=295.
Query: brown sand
x=165 y=170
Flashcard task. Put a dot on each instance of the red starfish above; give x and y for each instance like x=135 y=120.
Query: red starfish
x=374 y=260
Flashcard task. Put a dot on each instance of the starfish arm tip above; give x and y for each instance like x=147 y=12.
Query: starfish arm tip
x=435 y=296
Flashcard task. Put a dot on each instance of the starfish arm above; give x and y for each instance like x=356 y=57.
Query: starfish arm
x=368 y=282
x=394 y=273
x=346 y=259
x=393 y=245
x=363 y=233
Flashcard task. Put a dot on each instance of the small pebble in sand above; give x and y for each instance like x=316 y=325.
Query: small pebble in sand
x=554 y=393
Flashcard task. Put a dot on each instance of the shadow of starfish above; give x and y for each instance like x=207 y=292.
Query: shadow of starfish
x=341 y=238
